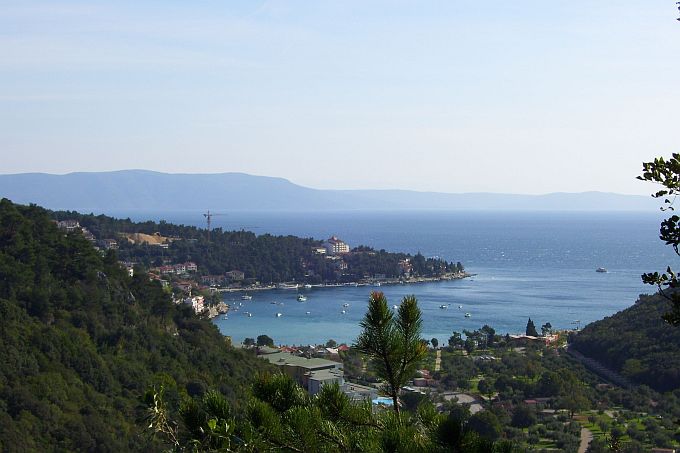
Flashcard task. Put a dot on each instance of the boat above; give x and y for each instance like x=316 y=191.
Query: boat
x=246 y=297
x=308 y=312
x=308 y=286
x=278 y=315
x=443 y=307
x=250 y=315
x=274 y=302
x=467 y=315
x=377 y=284
x=287 y=286
x=601 y=270
x=394 y=307
x=460 y=307
x=345 y=305
x=301 y=298
x=343 y=312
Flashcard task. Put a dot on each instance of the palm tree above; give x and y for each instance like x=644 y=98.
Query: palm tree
x=393 y=344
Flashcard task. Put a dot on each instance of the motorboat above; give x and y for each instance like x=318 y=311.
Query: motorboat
x=601 y=270
x=468 y=315
x=246 y=297
x=278 y=315
x=443 y=307
x=308 y=286
x=301 y=298
x=345 y=305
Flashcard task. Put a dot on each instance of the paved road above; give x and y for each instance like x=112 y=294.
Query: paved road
x=586 y=437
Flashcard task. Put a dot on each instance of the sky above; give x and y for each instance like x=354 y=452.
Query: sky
x=451 y=96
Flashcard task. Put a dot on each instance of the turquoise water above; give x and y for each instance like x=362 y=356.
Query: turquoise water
x=383 y=400
x=538 y=265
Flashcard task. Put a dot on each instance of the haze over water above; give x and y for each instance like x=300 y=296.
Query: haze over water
x=538 y=265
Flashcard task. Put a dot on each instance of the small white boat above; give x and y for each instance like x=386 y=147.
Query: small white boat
x=460 y=307
x=467 y=315
x=278 y=315
x=443 y=307
x=343 y=312
x=308 y=312
x=301 y=298
x=286 y=286
x=345 y=305
x=601 y=270
x=308 y=286
x=274 y=302
x=377 y=284
x=394 y=307
x=246 y=297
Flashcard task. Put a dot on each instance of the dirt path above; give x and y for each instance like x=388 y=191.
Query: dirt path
x=586 y=437
x=438 y=360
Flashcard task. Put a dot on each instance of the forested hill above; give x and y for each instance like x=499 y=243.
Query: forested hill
x=81 y=342
x=265 y=258
x=637 y=343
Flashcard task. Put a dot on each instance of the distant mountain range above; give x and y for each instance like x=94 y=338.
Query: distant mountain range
x=145 y=190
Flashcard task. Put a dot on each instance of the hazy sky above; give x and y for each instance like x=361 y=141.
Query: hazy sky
x=456 y=96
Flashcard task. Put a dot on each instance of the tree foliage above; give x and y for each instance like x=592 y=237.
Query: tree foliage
x=393 y=344
x=531 y=329
x=81 y=341
x=635 y=342
x=666 y=172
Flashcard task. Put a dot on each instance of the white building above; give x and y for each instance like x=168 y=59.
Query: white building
x=196 y=302
x=335 y=246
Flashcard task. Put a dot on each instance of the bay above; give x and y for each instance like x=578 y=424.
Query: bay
x=526 y=264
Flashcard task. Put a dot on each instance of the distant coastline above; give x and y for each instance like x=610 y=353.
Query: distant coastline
x=374 y=283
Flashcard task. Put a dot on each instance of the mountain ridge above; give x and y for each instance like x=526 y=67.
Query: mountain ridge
x=147 y=189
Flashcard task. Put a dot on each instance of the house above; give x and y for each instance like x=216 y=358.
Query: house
x=311 y=374
x=128 y=266
x=213 y=280
x=319 y=250
x=196 y=302
x=235 y=276
x=358 y=392
x=166 y=270
x=335 y=246
x=108 y=244
x=190 y=266
x=68 y=225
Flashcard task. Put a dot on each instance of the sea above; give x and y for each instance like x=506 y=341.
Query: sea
x=538 y=265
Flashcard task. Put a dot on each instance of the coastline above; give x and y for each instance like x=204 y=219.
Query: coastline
x=372 y=282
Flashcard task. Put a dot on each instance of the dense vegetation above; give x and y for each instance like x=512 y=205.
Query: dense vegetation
x=265 y=258
x=637 y=343
x=81 y=342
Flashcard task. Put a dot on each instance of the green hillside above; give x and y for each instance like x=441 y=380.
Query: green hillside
x=81 y=342
x=637 y=343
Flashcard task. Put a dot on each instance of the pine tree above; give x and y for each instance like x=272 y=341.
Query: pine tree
x=531 y=329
